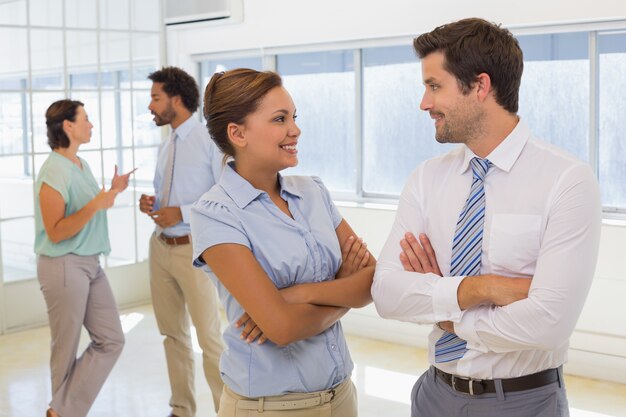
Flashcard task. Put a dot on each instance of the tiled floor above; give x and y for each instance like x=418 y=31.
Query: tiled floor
x=138 y=386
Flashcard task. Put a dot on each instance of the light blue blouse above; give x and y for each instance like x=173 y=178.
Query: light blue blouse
x=77 y=187
x=291 y=251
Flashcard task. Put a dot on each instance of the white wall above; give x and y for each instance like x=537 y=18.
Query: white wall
x=277 y=23
x=599 y=341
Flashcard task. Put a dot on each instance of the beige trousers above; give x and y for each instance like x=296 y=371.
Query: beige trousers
x=177 y=288
x=342 y=404
x=78 y=294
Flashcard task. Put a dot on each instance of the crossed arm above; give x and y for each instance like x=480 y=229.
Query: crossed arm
x=418 y=255
x=303 y=310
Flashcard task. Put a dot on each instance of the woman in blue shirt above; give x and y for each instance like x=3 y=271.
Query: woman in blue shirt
x=71 y=233
x=274 y=244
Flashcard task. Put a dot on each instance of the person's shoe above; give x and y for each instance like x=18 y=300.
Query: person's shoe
x=51 y=413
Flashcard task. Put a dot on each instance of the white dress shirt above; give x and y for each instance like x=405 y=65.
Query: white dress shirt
x=542 y=220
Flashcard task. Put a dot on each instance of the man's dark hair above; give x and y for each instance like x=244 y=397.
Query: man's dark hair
x=474 y=46
x=177 y=82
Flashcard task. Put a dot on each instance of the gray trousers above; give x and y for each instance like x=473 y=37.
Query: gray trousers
x=432 y=397
x=77 y=294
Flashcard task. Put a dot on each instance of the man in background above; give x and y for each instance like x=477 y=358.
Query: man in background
x=188 y=165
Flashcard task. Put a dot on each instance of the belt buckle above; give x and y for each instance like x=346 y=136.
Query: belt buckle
x=470 y=383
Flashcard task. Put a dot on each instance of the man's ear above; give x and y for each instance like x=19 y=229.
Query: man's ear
x=177 y=101
x=483 y=86
x=236 y=135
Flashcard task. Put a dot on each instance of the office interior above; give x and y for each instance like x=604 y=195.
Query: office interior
x=350 y=68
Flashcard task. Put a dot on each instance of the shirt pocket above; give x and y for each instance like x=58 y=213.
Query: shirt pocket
x=514 y=243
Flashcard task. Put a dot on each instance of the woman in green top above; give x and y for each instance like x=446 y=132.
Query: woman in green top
x=71 y=233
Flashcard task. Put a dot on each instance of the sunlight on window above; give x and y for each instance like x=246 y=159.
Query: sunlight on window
x=129 y=321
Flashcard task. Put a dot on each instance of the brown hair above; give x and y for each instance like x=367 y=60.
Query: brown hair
x=231 y=96
x=177 y=82
x=474 y=46
x=57 y=113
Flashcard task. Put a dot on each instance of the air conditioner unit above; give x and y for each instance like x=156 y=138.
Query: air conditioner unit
x=192 y=11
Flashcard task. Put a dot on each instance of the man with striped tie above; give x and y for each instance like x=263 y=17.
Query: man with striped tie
x=495 y=243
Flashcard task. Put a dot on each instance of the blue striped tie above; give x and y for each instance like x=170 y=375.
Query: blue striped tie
x=466 y=252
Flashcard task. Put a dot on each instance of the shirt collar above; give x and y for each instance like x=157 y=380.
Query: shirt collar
x=287 y=187
x=506 y=153
x=243 y=193
x=185 y=128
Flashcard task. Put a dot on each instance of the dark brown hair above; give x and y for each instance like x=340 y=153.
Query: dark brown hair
x=177 y=82
x=474 y=46
x=231 y=96
x=57 y=113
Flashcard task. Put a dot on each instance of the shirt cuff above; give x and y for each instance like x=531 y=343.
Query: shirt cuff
x=445 y=303
x=185 y=211
x=466 y=330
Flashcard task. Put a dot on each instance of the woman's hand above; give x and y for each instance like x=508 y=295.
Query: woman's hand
x=250 y=331
x=104 y=199
x=354 y=256
x=120 y=182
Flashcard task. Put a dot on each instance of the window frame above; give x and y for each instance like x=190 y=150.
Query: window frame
x=361 y=197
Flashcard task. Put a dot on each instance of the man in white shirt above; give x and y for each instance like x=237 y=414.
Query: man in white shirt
x=495 y=243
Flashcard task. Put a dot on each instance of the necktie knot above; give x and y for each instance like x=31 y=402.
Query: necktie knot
x=480 y=167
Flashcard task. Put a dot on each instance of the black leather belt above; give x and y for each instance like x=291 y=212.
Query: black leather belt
x=487 y=386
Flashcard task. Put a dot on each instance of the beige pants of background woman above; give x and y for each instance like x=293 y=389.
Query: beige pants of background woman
x=340 y=403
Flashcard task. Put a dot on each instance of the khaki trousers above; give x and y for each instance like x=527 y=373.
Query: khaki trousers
x=313 y=404
x=177 y=288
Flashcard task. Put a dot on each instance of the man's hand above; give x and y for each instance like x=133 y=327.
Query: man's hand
x=146 y=203
x=354 y=256
x=418 y=256
x=448 y=326
x=167 y=216
x=250 y=330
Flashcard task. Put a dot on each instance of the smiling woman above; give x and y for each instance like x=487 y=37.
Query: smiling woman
x=291 y=282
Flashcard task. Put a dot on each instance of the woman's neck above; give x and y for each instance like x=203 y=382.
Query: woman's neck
x=259 y=178
x=70 y=153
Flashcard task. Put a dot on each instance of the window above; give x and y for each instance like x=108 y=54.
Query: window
x=72 y=58
x=397 y=135
x=322 y=86
x=208 y=68
x=554 y=95
x=612 y=119
x=363 y=132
